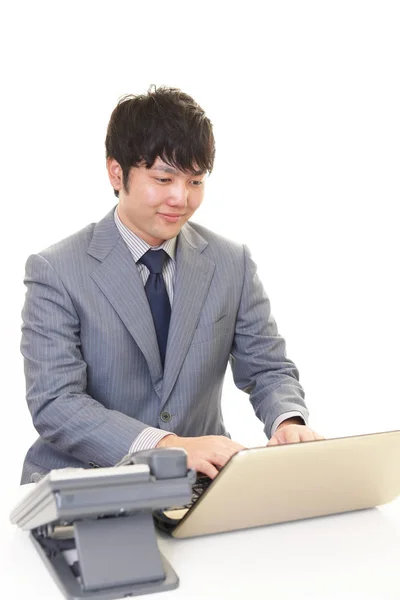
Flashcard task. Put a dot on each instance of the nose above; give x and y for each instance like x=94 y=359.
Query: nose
x=178 y=194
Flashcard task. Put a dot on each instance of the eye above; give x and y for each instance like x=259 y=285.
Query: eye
x=197 y=183
x=163 y=179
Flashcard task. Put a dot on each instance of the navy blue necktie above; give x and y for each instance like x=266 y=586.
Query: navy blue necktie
x=157 y=296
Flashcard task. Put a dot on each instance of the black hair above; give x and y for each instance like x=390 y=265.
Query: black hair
x=165 y=123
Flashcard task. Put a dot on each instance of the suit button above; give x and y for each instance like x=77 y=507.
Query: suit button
x=165 y=416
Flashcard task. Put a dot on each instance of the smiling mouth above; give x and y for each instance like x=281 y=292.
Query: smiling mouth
x=172 y=214
x=171 y=218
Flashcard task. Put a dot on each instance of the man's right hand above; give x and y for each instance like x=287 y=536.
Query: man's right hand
x=205 y=453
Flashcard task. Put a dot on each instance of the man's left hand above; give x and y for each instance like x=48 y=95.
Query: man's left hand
x=290 y=432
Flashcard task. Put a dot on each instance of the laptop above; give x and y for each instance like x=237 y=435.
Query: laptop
x=275 y=484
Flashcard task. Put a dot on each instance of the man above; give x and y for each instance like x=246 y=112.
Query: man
x=129 y=324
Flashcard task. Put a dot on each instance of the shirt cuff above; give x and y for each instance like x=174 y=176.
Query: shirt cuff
x=283 y=417
x=148 y=439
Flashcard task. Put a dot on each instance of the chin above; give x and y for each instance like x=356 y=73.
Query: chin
x=171 y=231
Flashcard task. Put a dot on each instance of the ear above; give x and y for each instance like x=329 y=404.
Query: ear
x=114 y=173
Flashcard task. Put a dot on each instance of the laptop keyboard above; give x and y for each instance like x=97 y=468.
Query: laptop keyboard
x=167 y=520
x=198 y=489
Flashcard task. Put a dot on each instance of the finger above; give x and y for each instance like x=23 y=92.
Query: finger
x=207 y=468
x=220 y=458
x=273 y=442
x=307 y=435
x=287 y=435
x=237 y=447
x=231 y=445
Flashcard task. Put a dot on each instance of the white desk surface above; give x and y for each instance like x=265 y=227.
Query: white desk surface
x=350 y=556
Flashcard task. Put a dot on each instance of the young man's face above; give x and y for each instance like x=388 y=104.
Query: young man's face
x=159 y=200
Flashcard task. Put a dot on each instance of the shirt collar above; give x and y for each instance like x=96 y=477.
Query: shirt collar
x=137 y=246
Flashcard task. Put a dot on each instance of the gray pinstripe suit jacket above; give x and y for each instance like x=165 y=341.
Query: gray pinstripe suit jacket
x=93 y=372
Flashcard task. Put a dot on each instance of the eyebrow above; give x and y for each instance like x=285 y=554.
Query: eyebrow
x=169 y=169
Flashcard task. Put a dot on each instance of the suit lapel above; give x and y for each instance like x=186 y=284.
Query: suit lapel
x=118 y=278
x=194 y=273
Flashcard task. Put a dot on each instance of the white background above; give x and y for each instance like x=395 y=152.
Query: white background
x=304 y=97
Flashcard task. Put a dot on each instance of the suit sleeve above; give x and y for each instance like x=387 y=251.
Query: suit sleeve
x=56 y=375
x=258 y=355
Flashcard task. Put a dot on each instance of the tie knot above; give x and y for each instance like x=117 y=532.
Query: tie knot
x=154 y=260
